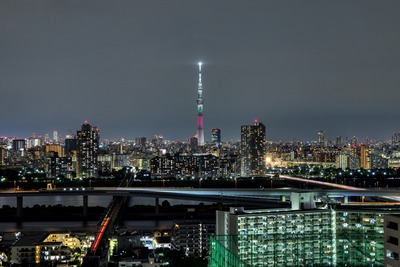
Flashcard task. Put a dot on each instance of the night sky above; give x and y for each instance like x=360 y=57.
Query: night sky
x=130 y=67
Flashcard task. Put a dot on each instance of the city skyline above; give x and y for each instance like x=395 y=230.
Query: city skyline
x=208 y=137
x=130 y=68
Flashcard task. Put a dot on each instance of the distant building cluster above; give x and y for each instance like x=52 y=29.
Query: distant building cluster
x=84 y=155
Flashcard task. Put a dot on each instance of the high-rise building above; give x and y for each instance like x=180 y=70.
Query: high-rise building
x=276 y=238
x=3 y=153
x=200 y=102
x=354 y=141
x=105 y=164
x=392 y=237
x=59 y=149
x=18 y=145
x=87 y=149
x=216 y=136
x=339 y=141
x=253 y=149
x=343 y=161
x=157 y=141
x=59 y=166
x=364 y=157
x=33 y=141
x=141 y=143
x=4 y=140
x=296 y=237
x=378 y=160
x=193 y=144
x=55 y=137
x=70 y=144
x=46 y=138
x=396 y=139
x=321 y=138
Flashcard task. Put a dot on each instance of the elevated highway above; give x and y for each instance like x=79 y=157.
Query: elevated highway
x=260 y=196
x=236 y=196
x=203 y=194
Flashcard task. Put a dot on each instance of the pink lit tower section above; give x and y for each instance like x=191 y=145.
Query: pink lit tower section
x=200 y=101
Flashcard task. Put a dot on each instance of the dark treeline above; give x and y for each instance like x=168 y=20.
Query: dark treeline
x=137 y=212
x=51 y=212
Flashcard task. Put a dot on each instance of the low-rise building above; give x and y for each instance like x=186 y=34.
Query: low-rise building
x=36 y=248
x=192 y=236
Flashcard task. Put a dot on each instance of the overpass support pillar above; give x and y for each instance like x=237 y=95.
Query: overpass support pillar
x=85 y=205
x=19 y=206
x=157 y=206
x=346 y=200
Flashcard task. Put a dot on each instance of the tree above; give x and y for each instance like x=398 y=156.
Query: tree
x=165 y=204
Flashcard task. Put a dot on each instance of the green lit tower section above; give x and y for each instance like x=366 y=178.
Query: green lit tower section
x=200 y=102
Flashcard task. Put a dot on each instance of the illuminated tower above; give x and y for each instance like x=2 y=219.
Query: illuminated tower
x=200 y=101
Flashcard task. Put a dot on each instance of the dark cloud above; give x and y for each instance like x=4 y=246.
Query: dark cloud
x=129 y=67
